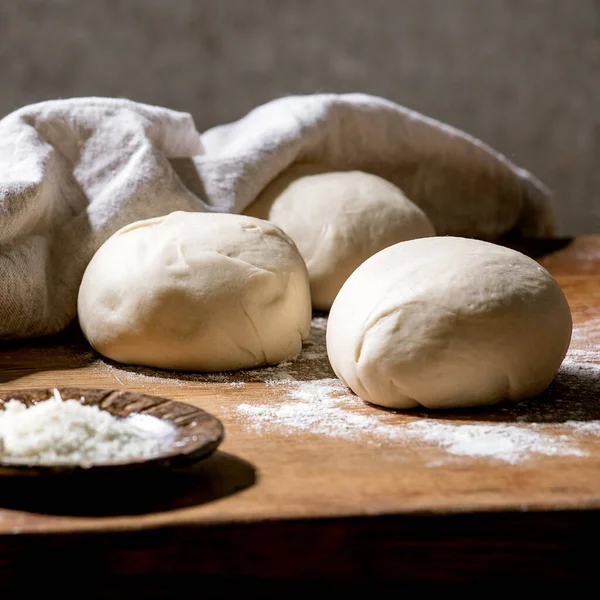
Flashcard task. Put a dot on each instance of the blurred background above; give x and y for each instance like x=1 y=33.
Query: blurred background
x=522 y=75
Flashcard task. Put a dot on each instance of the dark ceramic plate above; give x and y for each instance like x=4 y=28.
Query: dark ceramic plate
x=197 y=433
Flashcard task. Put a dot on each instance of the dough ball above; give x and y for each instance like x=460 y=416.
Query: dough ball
x=448 y=322
x=338 y=220
x=196 y=291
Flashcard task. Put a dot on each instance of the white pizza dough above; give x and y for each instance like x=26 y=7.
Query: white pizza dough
x=338 y=220
x=448 y=322
x=196 y=291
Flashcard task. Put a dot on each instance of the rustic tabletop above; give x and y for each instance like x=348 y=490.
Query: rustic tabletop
x=313 y=485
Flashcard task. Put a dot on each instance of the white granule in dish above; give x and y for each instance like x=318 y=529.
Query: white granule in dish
x=65 y=431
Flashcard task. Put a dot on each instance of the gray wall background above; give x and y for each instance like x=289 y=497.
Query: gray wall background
x=523 y=75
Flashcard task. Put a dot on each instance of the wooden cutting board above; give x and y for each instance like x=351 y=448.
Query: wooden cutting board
x=352 y=460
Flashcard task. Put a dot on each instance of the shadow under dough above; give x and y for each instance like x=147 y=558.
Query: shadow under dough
x=574 y=395
x=534 y=248
x=65 y=350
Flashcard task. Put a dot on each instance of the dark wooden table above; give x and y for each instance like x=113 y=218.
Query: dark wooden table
x=280 y=509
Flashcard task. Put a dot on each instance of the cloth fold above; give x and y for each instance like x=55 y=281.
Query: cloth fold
x=464 y=186
x=73 y=172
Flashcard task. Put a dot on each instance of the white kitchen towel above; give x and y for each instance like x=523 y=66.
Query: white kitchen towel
x=464 y=187
x=72 y=172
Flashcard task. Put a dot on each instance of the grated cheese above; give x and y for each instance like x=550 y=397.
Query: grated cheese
x=65 y=431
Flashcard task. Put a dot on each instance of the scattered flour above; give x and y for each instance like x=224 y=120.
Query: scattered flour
x=510 y=443
x=542 y=426
x=65 y=431
x=589 y=427
x=326 y=407
x=315 y=401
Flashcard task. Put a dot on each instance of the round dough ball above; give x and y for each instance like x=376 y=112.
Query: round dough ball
x=338 y=220
x=196 y=291
x=448 y=322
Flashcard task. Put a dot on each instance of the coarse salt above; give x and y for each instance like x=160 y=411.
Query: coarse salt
x=66 y=431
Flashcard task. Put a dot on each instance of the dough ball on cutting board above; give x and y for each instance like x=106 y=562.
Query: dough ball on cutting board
x=448 y=322
x=338 y=220
x=196 y=291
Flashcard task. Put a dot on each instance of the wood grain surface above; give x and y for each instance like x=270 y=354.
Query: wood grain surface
x=281 y=502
